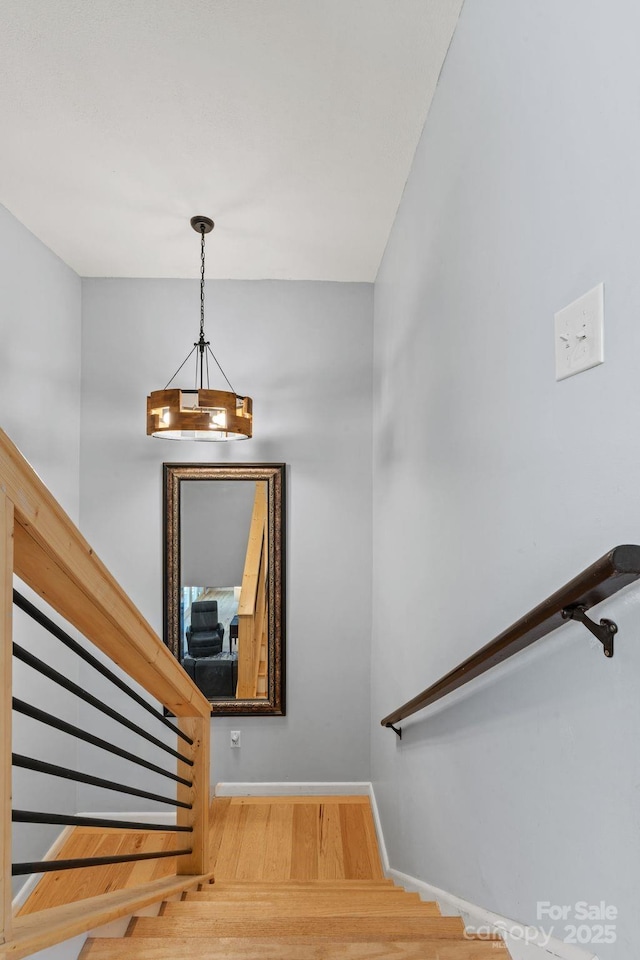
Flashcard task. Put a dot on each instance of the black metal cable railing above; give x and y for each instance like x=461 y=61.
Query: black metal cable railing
x=27 y=607
x=54 y=770
x=35 y=816
x=27 y=710
x=51 y=769
x=62 y=681
x=51 y=866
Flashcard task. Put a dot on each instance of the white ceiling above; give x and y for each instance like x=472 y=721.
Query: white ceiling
x=293 y=123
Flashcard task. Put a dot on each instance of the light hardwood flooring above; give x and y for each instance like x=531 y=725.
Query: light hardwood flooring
x=251 y=839
x=294 y=838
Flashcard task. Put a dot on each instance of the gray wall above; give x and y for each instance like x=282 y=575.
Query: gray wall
x=40 y=358
x=39 y=410
x=303 y=351
x=215 y=517
x=494 y=484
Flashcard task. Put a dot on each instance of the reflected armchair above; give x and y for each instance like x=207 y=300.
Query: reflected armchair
x=205 y=634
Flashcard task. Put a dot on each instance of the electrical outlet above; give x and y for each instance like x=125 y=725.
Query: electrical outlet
x=579 y=334
x=235 y=739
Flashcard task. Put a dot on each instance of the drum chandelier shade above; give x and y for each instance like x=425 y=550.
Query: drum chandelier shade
x=199 y=413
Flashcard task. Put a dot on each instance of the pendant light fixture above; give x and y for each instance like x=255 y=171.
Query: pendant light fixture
x=200 y=413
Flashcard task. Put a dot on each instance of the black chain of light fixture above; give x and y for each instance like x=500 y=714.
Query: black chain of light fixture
x=201 y=282
x=202 y=346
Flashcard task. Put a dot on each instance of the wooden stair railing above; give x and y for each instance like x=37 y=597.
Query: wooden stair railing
x=41 y=545
x=252 y=607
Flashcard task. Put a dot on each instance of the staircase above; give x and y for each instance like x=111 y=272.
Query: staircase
x=296 y=920
x=296 y=878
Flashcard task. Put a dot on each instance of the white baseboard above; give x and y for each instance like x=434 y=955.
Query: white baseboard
x=524 y=942
x=289 y=789
x=169 y=817
x=384 y=856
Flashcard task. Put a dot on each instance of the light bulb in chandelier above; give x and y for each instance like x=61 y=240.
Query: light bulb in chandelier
x=199 y=413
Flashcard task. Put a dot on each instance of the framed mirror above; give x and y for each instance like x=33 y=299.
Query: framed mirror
x=224 y=581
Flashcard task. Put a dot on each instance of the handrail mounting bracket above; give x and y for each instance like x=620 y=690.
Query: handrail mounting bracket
x=604 y=631
x=396 y=730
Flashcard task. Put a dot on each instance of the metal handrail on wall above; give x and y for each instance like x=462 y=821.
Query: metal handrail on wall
x=615 y=570
x=41 y=545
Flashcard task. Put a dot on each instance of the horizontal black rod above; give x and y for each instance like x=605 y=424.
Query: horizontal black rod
x=72 y=687
x=40 y=766
x=36 y=714
x=35 y=816
x=27 y=607
x=612 y=572
x=51 y=866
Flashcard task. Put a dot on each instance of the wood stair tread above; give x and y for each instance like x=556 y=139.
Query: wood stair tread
x=342 y=928
x=290 y=948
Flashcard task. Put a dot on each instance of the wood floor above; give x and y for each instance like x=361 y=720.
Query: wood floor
x=260 y=838
x=302 y=838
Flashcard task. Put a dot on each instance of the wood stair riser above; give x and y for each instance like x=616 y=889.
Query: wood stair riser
x=342 y=928
x=266 y=911
x=355 y=897
x=287 y=886
x=297 y=948
x=274 y=896
x=300 y=896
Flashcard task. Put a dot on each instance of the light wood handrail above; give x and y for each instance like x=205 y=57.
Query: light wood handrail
x=36 y=931
x=52 y=556
x=257 y=535
x=253 y=594
x=40 y=543
x=6 y=585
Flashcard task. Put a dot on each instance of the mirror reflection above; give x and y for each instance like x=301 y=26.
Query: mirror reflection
x=223 y=582
x=221 y=576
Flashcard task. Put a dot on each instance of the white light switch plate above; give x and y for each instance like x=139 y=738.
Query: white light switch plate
x=579 y=334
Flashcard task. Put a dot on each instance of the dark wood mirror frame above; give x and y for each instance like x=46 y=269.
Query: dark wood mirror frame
x=274 y=476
